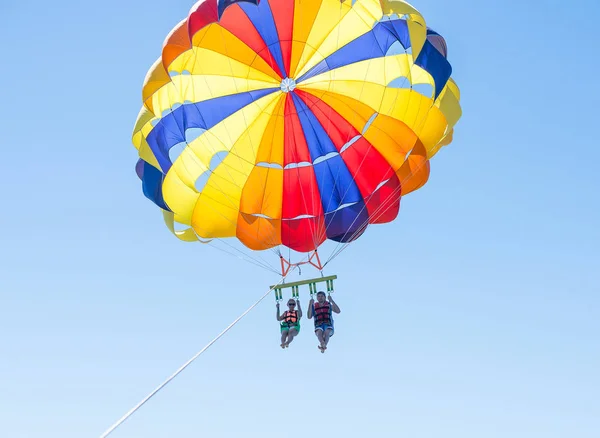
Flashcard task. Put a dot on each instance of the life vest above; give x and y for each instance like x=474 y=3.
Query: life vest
x=322 y=313
x=291 y=317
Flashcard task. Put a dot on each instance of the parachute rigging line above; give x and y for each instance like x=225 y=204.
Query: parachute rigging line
x=340 y=247
x=189 y=362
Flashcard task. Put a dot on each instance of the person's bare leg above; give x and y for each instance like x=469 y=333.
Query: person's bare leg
x=291 y=334
x=284 y=336
x=326 y=337
x=319 y=334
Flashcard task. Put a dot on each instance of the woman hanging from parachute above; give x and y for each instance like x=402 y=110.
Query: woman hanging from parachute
x=290 y=322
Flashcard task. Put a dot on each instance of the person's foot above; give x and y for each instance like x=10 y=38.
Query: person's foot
x=320 y=347
x=282 y=345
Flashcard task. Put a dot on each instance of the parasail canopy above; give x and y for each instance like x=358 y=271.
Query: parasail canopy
x=291 y=122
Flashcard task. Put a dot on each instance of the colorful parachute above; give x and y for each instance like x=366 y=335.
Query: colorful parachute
x=290 y=122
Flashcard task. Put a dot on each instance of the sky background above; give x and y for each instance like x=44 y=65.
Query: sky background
x=475 y=314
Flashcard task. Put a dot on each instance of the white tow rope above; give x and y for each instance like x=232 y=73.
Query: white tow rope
x=185 y=365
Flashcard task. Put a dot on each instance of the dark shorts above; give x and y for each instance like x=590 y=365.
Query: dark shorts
x=324 y=327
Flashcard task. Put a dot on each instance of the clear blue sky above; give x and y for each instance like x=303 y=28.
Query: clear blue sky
x=476 y=314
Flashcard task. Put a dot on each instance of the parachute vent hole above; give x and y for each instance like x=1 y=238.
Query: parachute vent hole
x=176 y=151
x=369 y=122
x=201 y=181
x=381 y=184
x=350 y=143
x=325 y=157
x=341 y=207
x=264 y=216
x=400 y=82
x=302 y=216
x=216 y=160
x=296 y=165
x=396 y=49
x=269 y=165
x=193 y=133
x=424 y=89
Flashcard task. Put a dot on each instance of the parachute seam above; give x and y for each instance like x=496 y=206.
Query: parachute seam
x=271 y=242
x=348 y=134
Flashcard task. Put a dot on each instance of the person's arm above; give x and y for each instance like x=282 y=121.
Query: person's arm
x=299 y=309
x=334 y=306
x=279 y=317
x=310 y=308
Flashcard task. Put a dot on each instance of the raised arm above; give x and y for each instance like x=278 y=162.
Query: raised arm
x=334 y=306
x=279 y=317
x=299 y=309
x=310 y=308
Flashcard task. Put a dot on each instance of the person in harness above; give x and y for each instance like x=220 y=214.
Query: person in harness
x=322 y=311
x=290 y=322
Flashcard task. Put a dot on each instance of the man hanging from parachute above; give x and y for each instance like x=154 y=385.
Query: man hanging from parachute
x=323 y=313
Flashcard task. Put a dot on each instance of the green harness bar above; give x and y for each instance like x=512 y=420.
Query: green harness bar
x=312 y=286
